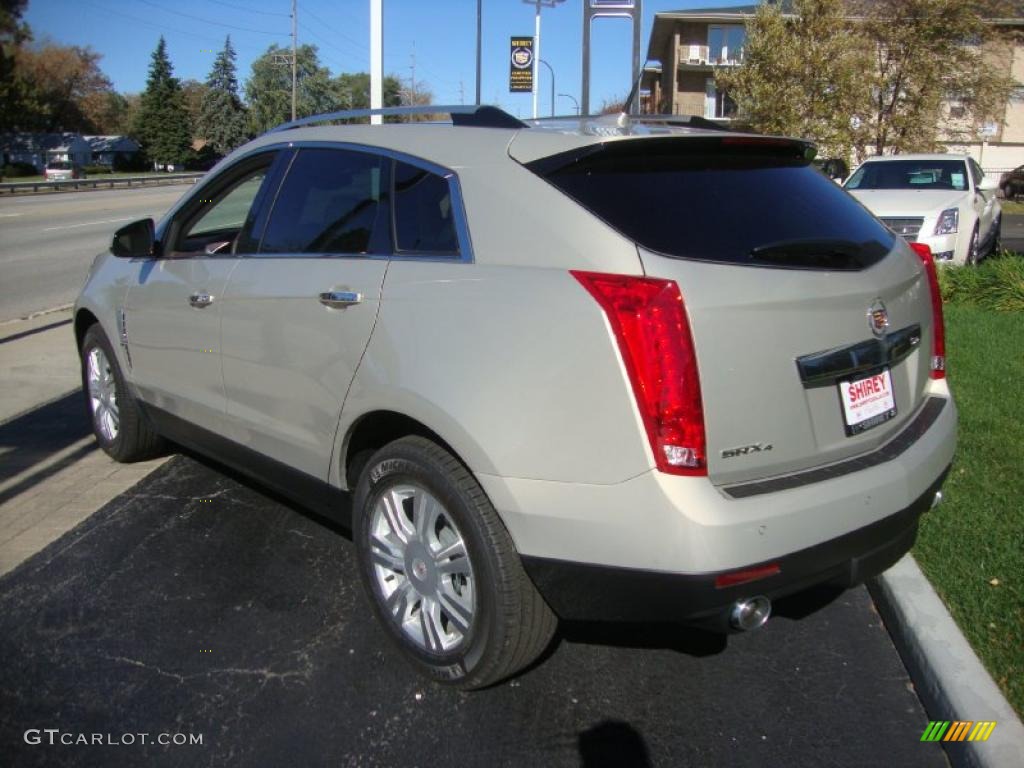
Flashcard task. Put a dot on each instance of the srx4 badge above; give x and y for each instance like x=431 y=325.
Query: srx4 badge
x=730 y=453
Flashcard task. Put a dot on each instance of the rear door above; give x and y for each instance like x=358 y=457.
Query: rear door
x=298 y=312
x=786 y=280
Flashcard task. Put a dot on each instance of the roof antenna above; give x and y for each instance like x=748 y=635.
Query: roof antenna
x=634 y=93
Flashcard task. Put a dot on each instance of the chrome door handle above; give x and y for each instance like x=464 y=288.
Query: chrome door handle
x=200 y=300
x=340 y=299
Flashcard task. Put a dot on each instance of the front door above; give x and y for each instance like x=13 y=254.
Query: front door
x=297 y=315
x=172 y=313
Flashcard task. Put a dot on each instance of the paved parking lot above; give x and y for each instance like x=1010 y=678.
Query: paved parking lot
x=197 y=604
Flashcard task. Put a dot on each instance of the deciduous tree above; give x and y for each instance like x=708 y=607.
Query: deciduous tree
x=222 y=117
x=928 y=55
x=62 y=85
x=13 y=33
x=803 y=74
x=269 y=88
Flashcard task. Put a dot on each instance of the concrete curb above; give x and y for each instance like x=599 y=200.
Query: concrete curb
x=950 y=679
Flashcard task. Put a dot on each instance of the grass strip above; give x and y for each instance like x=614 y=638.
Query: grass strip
x=972 y=546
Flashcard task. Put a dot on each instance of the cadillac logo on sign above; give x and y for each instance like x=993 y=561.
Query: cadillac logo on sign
x=878 y=318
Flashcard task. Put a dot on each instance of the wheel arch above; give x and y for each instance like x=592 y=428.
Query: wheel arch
x=84 y=319
x=374 y=430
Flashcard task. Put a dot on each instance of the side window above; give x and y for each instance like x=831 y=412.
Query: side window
x=331 y=201
x=424 y=222
x=214 y=221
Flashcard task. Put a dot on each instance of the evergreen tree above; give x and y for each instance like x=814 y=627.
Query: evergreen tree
x=162 y=125
x=222 y=119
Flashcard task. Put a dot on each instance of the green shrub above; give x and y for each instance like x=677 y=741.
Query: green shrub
x=96 y=170
x=997 y=283
x=17 y=170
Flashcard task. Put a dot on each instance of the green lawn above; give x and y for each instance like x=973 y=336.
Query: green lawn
x=972 y=546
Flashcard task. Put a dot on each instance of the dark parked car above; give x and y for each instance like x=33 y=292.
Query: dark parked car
x=1012 y=183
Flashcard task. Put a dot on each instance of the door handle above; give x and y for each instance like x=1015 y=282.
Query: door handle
x=200 y=300
x=340 y=299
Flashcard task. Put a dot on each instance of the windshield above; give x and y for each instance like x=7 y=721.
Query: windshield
x=910 y=174
x=59 y=166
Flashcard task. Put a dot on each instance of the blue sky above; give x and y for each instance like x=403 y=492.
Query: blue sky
x=439 y=36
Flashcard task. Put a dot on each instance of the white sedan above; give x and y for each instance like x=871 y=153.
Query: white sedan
x=944 y=201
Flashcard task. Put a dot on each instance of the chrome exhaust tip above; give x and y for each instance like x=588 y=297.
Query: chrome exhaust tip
x=750 y=613
x=937 y=500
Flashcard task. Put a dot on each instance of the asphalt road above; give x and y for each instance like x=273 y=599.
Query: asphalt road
x=198 y=604
x=47 y=242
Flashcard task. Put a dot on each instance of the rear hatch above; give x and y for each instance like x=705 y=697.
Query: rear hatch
x=786 y=281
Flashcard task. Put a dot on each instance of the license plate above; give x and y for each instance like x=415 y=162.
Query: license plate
x=867 y=402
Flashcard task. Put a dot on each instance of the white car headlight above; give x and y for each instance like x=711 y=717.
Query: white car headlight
x=949 y=221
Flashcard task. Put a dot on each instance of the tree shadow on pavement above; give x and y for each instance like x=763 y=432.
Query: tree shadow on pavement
x=34 y=437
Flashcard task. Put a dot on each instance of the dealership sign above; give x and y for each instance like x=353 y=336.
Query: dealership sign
x=520 y=75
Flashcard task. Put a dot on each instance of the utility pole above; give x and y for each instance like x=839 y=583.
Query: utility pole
x=376 y=59
x=295 y=39
x=479 y=52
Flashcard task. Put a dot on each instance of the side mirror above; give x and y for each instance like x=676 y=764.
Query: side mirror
x=988 y=184
x=135 y=240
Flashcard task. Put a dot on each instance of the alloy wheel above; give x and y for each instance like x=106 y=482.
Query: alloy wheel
x=422 y=569
x=103 y=394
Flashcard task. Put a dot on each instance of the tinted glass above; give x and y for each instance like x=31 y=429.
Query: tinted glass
x=910 y=174
x=330 y=202
x=423 y=212
x=701 y=199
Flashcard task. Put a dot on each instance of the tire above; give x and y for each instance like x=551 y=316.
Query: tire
x=971 y=259
x=117 y=423
x=997 y=239
x=441 y=571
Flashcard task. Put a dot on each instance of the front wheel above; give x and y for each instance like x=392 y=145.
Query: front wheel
x=441 y=571
x=118 y=424
x=972 y=249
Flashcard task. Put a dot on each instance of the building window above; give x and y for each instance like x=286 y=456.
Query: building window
x=717 y=103
x=725 y=43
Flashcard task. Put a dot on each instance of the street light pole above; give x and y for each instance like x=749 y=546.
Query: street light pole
x=576 y=104
x=536 y=44
x=552 y=85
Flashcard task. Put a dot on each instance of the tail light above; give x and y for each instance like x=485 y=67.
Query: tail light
x=649 y=321
x=938 y=366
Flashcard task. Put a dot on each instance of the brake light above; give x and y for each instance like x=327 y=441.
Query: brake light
x=648 y=318
x=938 y=364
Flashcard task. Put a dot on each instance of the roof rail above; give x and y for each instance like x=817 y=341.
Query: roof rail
x=471 y=115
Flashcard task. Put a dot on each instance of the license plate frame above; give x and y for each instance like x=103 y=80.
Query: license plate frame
x=867 y=401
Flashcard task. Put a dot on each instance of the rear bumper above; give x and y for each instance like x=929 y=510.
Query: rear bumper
x=579 y=591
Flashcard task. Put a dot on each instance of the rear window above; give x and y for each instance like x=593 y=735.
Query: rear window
x=715 y=199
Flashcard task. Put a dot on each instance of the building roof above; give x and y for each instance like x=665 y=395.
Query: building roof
x=38 y=142
x=112 y=144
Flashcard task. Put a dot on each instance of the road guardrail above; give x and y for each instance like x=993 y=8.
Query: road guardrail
x=101 y=181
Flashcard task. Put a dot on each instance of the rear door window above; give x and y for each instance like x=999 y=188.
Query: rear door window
x=333 y=201
x=424 y=220
x=721 y=200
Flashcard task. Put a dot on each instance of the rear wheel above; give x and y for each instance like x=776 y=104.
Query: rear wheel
x=441 y=571
x=972 y=249
x=118 y=424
